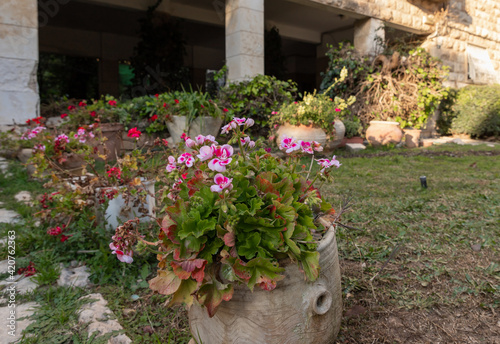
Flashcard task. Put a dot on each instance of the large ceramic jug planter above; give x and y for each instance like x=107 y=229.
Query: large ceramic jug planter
x=204 y=125
x=301 y=132
x=296 y=312
x=381 y=133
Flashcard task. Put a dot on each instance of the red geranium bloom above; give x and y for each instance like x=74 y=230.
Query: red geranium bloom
x=82 y=104
x=64 y=238
x=112 y=102
x=93 y=113
x=177 y=101
x=134 y=132
x=157 y=95
x=225 y=110
x=71 y=107
x=153 y=118
x=64 y=115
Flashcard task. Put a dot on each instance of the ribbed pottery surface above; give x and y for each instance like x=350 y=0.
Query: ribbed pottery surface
x=296 y=312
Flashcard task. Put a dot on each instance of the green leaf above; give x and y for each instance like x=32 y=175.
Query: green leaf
x=184 y=293
x=195 y=227
x=310 y=263
x=262 y=267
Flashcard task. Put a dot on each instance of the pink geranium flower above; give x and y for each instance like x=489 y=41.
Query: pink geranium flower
x=247 y=142
x=222 y=158
x=325 y=163
x=171 y=164
x=317 y=146
x=306 y=147
x=289 y=145
x=125 y=257
x=206 y=152
x=221 y=183
x=187 y=159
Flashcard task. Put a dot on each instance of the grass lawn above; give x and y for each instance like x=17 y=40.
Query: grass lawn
x=418 y=265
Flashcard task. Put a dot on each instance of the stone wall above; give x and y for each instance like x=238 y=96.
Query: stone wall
x=467 y=22
x=18 y=60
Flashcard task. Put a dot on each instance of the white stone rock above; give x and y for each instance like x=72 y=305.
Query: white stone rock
x=76 y=277
x=17 y=75
x=23 y=197
x=101 y=319
x=458 y=141
x=23 y=285
x=54 y=121
x=18 y=106
x=354 y=147
x=21 y=311
x=4 y=266
x=18 y=42
x=8 y=216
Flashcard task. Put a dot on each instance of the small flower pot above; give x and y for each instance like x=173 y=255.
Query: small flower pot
x=412 y=137
x=381 y=133
x=204 y=125
x=354 y=139
x=296 y=312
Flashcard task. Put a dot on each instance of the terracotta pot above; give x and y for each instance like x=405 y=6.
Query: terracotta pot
x=204 y=125
x=113 y=133
x=296 y=312
x=381 y=133
x=412 y=137
x=301 y=132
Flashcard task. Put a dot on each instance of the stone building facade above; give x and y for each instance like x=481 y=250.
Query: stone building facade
x=464 y=34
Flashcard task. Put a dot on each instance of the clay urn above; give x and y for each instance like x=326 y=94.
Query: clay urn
x=382 y=133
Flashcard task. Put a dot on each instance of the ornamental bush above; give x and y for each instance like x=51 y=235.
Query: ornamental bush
x=477 y=111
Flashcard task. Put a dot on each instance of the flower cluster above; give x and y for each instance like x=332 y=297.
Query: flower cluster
x=30 y=134
x=290 y=145
x=246 y=123
x=134 y=133
x=83 y=134
x=56 y=231
x=114 y=172
x=27 y=271
x=123 y=241
x=36 y=120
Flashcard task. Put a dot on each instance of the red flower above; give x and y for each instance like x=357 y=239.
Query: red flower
x=82 y=104
x=112 y=102
x=225 y=110
x=157 y=95
x=134 y=132
x=114 y=172
x=64 y=238
x=28 y=121
x=338 y=110
x=71 y=107
x=93 y=113
x=165 y=142
x=153 y=118
x=202 y=107
x=64 y=115
x=28 y=271
x=177 y=101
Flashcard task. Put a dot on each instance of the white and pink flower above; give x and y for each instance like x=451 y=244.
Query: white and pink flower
x=186 y=158
x=326 y=163
x=249 y=122
x=190 y=143
x=171 y=164
x=125 y=257
x=306 y=147
x=247 y=142
x=221 y=183
x=317 y=146
x=206 y=152
x=289 y=145
x=62 y=137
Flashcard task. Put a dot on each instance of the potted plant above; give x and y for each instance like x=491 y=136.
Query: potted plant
x=107 y=114
x=353 y=130
x=239 y=241
x=316 y=117
x=193 y=113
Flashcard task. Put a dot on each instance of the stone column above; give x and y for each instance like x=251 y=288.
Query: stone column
x=244 y=39
x=19 y=98
x=368 y=35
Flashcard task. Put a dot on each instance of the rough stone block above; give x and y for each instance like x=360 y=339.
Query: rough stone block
x=74 y=277
x=18 y=42
x=19 y=12
x=355 y=147
x=256 y=5
x=244 y=19
x=243 y=67
x=22 y=310
x=18 y=75
x=246 y=43
x=18 y=106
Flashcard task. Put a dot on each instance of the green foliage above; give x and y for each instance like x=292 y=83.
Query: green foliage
x=446 y=113
x=257 y=98
x=315 y=109
x=477 y=111
x=352 y=127
x=47 y=267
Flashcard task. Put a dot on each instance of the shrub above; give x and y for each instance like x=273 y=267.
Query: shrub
x=477 y=111
x=257 y=98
